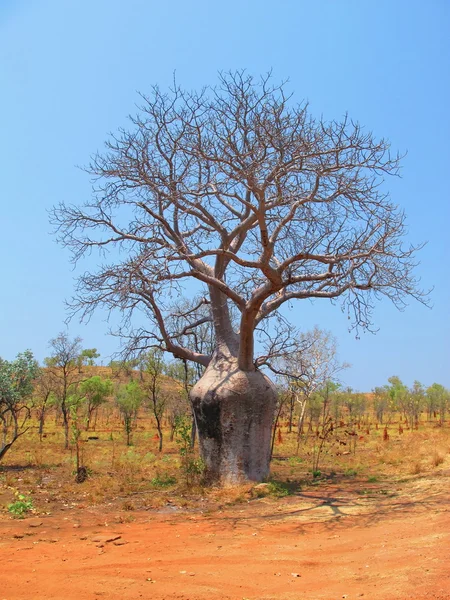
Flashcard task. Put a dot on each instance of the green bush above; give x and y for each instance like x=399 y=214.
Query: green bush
x=351 y=473
x=295 y=460
x=277 y=489
x=21 y=506
x=162 y=480
x=192 y=467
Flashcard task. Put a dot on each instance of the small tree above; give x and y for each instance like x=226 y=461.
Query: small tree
x=154 y=368
x=356 y=405
x=416 y=399
x=73 y=403
x=437 y=398
x=62 y=367
x=94 y=392
x=380 y=402
x=129 y=399
x=87 y=357
x=409 y=401
x=124 y=367
x=323 y=398
x=283 y=397
x=245 y=195
x=398 y=395
x=43 y=398
x=186 y=376
x=16 y=386
x=308 y=369
x=178 y=404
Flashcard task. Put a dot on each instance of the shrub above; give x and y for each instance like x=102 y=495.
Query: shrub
x=162 y=480
x=277 y=489
x=351 y=473
x=21 y=506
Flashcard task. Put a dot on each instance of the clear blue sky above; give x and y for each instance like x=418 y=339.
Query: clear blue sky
x=69 y=73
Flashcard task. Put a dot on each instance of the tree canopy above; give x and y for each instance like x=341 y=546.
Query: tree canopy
x=16 y=385
x=243 y=191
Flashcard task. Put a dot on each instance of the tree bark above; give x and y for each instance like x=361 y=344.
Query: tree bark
x=5 y=449
x=65 y=412
x=193 y=430
x=160 y=433
x=234 y=410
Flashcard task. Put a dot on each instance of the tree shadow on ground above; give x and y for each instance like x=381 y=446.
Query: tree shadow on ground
x=16 y=468
x=365 y=504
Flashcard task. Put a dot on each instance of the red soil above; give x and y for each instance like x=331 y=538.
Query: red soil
x=357 y=541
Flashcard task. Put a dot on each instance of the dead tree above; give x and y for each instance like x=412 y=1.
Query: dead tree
x=244 y=194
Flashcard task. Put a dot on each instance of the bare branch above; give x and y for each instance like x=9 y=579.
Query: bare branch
x=244 y=194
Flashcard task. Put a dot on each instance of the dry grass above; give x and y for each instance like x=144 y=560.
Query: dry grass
x=437 y=459
x=137 y=477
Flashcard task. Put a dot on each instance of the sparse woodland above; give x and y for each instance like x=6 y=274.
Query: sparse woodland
x=130 y=425
x=240 y=194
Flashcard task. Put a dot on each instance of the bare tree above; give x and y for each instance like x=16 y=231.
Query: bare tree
x=154 y=369
x=256 y=203
x=43 y=398
x=312 y=365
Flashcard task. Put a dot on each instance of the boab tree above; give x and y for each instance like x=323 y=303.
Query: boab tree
x=243 y=192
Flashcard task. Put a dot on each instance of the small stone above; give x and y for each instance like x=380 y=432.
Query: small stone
x=104 y=539
x=295 y=574
x=35 y=523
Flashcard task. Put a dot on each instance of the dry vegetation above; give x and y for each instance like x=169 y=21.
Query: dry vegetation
x=135 y=477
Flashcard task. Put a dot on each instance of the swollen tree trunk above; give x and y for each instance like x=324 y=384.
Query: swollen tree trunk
x=234 y=411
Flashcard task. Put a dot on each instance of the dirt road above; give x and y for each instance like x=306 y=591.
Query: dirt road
x=328 y=542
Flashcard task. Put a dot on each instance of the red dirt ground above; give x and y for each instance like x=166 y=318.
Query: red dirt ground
x=329 y=542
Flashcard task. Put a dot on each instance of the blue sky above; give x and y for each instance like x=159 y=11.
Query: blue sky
x=69 y=74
